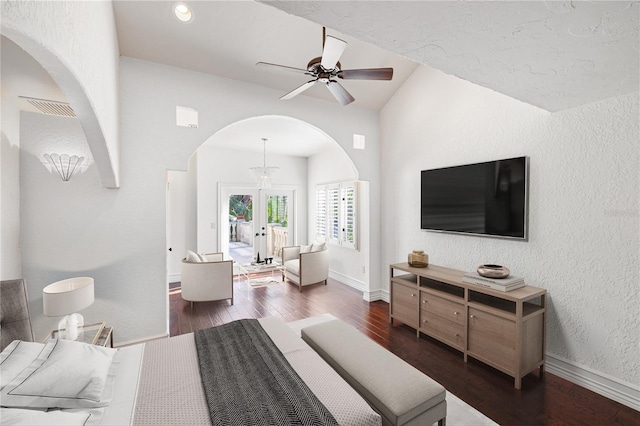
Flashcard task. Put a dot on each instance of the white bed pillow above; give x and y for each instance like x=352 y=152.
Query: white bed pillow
x=15 y=358
x=66 y=374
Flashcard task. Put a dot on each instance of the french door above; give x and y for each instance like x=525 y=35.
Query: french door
x=277 y=219
x=256 y=222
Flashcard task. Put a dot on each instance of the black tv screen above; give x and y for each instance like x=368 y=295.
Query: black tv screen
x=484 y=198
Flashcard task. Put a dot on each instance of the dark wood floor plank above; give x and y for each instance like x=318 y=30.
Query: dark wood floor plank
x=546 y=400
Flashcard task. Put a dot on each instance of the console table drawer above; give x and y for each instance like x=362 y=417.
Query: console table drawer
x=448 y=331
x=493 y=339
x=442 y=307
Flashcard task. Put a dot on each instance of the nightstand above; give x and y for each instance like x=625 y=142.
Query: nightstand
x=98 y=333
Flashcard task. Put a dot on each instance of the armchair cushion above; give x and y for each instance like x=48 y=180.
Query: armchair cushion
x=293 y=266
x=318 y=246
x=193 y=257
x=306 y=249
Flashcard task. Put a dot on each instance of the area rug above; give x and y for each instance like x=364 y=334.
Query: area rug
x=459 y=413
x=263 y=282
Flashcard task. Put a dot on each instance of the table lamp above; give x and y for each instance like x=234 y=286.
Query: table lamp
x=67 y=297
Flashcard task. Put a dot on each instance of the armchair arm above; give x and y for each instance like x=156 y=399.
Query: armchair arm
x=314 y=267
x=291 y=252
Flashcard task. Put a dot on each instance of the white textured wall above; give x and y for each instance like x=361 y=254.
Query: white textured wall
x=584 y=223
x=76 y=228
x=346 y=265
x=119 y=236
x=21 y=75
x=10 y=265
x=76 y=42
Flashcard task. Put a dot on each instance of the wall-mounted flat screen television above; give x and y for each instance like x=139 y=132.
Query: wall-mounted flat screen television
x=487 y=199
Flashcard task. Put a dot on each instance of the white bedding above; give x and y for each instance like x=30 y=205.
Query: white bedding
x=125 y=388
x=158 y=383
x=174 y=395
x=121 y=404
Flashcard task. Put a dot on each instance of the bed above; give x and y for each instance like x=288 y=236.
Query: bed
x=200 y=378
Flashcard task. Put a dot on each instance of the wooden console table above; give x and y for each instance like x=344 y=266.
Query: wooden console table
x=505 y=330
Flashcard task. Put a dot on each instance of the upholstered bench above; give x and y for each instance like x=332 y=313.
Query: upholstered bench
x=401 y=394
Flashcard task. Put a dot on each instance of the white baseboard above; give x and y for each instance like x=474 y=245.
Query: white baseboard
x=369 y=296
x=345 y=279
x=603 y=384
x=372 y=296
x=174 y=278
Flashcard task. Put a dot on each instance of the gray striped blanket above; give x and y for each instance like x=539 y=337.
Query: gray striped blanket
x=247 y=380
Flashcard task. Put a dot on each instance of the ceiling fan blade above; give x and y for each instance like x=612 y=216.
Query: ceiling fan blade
x=367 y=74
x=299 y=90
x=340 y=93
x=282 y=68
x=333 y=48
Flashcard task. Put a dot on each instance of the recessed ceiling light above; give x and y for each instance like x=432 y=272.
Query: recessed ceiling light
x=182 y=12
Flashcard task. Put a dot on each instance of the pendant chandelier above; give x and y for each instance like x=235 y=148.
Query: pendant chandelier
x=265 y=174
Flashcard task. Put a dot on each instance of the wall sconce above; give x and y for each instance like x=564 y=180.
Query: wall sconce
x=65 y=165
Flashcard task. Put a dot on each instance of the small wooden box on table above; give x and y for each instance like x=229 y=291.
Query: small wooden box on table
x=505 y=330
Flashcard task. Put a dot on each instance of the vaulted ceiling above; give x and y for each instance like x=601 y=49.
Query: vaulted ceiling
x=552 y=54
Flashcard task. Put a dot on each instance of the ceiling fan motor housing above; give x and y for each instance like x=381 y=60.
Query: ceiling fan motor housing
x=315 y=68
x=331 y=71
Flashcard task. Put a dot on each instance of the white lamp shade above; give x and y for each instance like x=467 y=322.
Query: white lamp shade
x=67 y=296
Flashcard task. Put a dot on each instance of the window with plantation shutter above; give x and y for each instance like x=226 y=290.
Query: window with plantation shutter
x=321 y=212
x=336 y=213
x=348 y=216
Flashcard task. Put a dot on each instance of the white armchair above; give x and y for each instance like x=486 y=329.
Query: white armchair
x=207 y=280
x=305 y=268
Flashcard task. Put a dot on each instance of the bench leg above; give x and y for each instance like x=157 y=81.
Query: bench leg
x=442 y=422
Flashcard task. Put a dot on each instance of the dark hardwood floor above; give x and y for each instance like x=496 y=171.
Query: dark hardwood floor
x=549 y=400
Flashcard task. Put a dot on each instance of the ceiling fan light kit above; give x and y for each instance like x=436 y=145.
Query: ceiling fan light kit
x=182 y=12
x=327 y=68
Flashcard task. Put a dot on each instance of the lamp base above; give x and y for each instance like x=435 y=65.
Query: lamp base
x=70 y=327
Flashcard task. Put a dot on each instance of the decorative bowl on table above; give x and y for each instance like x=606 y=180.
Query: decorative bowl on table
x=493 y=271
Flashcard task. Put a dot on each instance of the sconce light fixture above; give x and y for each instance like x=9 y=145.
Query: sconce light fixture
x=65 y=165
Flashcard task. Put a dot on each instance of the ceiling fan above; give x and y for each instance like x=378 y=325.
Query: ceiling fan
x=326 y=69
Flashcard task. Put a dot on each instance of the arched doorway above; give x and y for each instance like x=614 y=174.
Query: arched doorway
x=306 y=156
